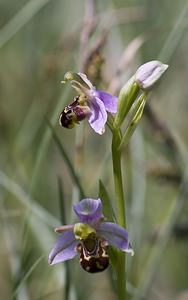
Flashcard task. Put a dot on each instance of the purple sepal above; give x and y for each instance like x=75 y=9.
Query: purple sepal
x=89 y=210
x=115 y=235
x=110 y=102
x=64 y=248
x=98 y=115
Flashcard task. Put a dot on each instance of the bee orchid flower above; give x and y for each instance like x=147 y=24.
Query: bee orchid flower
x=90 y=103
x=89 y=238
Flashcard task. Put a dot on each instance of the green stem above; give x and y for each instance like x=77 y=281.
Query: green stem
x=120 y=205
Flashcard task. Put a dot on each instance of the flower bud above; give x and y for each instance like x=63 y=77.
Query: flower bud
x=149 y=73
x=136 y=116
x=127 y=96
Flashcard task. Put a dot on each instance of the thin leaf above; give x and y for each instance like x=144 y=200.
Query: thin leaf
x=62 y=205
x=175 y=36
x=67 y=285
x=67 y=160
x=107 y=205
x=43 y=146
x=25 y=14
x=36 y=209
x=26 y=276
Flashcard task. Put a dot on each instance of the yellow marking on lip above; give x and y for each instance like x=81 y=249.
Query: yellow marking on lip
x=82 y=231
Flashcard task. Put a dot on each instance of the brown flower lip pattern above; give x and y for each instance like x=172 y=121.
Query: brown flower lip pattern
x=90 y=238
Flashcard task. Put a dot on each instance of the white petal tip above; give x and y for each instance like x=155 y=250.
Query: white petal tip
x=102 y=131
x=165 y=66
x=130 y=251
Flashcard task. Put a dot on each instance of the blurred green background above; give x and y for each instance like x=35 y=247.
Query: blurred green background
x=40 y=40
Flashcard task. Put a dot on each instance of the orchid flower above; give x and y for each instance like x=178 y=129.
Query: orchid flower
x=90 y=103
x=89 y=238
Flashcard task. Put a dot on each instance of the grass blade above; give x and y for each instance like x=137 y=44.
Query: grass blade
x=40 y=212
x=67 y=160
x=26 y=276
x=26 y=13
x=107 y=205
x=175 y=36
x=67 y=284
x=46 y=139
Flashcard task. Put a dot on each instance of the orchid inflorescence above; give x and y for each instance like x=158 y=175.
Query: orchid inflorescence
x=92 y=236
x=94 y=104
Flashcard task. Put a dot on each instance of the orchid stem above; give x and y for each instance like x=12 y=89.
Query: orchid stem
x=120 y=204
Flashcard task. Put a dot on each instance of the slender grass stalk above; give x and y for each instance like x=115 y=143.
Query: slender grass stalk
x=25 y=14
x=62 y=206
x=120 y=205
x=68 y=162
x=26 y=276
x=175 y=35
x=43 y=146
x=14 y=258
x=37 y=210
x=138 y=192
x=78 y=193
x=107 y=203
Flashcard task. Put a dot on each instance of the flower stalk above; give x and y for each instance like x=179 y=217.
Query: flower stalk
x=121 y=213
x=129 y=101
x=116 y=159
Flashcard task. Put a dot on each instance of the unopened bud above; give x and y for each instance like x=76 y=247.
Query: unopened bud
x=149 y=73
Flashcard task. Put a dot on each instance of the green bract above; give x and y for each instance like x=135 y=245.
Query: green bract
x=127 y=96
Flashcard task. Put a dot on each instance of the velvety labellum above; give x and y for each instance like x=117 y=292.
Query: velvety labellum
x=72 y=114
x=93 y=255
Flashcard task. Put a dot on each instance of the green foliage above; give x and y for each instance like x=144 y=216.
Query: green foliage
x=107 y=203
x=39 y=42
